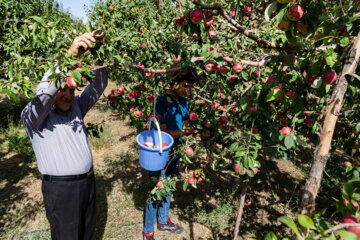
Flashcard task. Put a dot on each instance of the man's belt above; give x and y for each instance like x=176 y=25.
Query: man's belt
x=69 y=177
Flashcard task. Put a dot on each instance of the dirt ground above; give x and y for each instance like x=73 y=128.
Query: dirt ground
x=208 y=212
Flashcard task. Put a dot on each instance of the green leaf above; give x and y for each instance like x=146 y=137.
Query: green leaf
x=305 y=221
x=244 y=75
x=77 y=76
x=243 y=103
x=26 y=31
x=331 y=57
x=88 y=26
x=345 y=41
x=316 y=67
x=280 y=15
x=273 y=94
x=289 y=141
x=97 y=31
x=270 y=236
x=269 y=9
x=347 y=235
x=185 y=186
x=38 y=19
x=290 y=223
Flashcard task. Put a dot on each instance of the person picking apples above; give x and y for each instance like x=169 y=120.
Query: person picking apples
x=174 y=112
x=54 y=123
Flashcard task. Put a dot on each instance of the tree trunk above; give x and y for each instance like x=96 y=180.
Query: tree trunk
x=240 y=210
x=331 y=114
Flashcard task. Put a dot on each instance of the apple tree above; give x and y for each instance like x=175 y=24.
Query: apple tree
x=275 y=76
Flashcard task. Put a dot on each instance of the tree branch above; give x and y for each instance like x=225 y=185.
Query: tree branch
x=354 y=75
x=337 y=227
x=244 y=31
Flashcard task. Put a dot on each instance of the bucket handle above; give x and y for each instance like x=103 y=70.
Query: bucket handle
x=153 y=119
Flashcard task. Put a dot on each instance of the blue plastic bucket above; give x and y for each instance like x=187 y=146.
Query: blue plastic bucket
x=152 y=159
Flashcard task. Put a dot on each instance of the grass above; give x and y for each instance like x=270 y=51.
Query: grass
x=103 y=139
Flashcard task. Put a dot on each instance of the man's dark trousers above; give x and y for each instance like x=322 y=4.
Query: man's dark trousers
x=70 y=208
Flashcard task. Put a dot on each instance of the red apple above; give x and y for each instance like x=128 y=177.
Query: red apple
x=223 y=120
x=200 y=180
x=237 y=166
x=237 y=67
x=252 y=109
x=302 y=27
x=214 y=106
x=309 y=122
x=255 y=131
x=138 y=113
x=71 y=82
x=286 y=131
x=120 y=89
x=351 y=219
x=189 y=151
x=347 y=164
x=247 y=10
x=291 y=94
x=193 y=116
x=255 y=170
x=191 y=180
x=140 y=64
x=284 y=25
x=160 y=184
x=111 y=97
x=224 y=70
x=150 y=98
x=110 y=8
x=113 y=4
x=196 y=16
x=295 y=13
x=209 y=66
x=212 y=34
x=164 y=145
x=208 y=124
x=330 y=77
x=309 y=78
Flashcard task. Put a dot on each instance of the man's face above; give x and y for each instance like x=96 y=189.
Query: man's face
x=182 y=89
x=64 y=98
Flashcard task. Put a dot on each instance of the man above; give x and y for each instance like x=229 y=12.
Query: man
x=174 y=112
x=54 y=123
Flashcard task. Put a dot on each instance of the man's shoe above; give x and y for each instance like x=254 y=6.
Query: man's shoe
x=149 y=236
x=170 y=226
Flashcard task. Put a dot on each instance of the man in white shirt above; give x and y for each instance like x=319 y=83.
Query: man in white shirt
x=54 y=123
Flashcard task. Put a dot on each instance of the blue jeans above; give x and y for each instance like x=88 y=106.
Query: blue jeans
x=162 y=207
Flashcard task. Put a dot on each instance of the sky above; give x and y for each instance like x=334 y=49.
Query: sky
x=76 y=7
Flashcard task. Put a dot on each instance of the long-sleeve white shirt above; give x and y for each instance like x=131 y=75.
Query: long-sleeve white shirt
x=59 y=140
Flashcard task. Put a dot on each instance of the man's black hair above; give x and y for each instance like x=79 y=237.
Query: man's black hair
x=189 y=74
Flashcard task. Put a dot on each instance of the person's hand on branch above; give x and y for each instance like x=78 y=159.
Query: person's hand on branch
x=188 y=129
x=84 y=42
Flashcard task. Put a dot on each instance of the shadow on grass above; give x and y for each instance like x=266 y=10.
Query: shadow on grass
x=11 y=194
